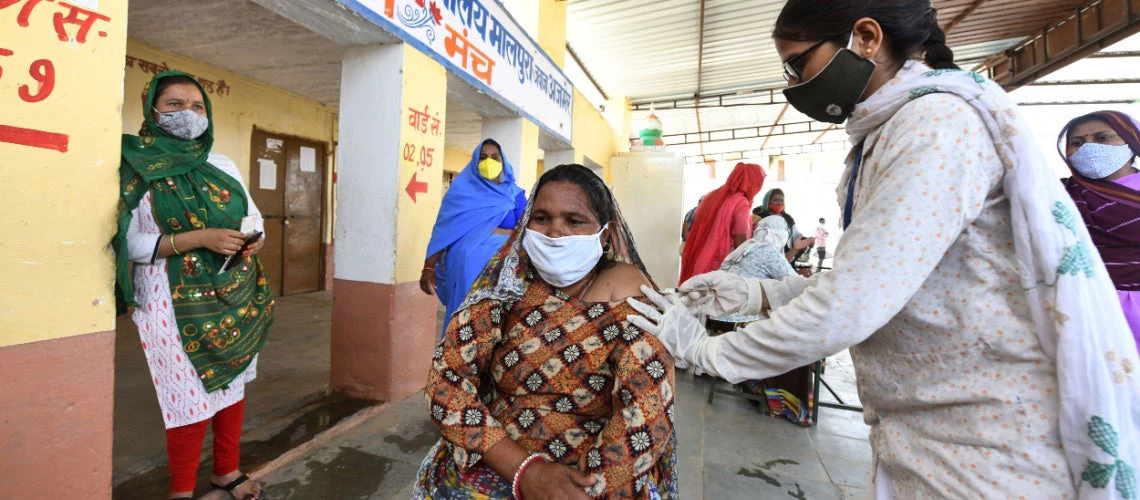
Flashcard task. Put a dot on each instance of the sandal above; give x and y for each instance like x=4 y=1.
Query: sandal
x=229 y=488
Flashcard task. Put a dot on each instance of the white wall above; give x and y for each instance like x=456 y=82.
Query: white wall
x=649 y=189
x=365 y=231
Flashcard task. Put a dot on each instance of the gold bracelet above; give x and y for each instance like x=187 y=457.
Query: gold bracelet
x=172 y=247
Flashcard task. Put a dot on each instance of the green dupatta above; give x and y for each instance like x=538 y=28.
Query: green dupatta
x=223 y=319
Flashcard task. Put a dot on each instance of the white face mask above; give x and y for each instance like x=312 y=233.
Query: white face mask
x=566 y=260
x=1097 y=161
x=184 y=124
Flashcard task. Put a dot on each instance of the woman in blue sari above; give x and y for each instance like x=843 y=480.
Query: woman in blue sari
x=479 y=211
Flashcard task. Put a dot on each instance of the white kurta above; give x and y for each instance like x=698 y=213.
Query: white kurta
x=960 y=396
x=181 y=395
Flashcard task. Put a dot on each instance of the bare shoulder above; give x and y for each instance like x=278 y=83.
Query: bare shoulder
x=620 y=282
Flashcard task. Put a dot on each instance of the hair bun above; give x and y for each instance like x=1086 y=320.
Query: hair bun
x=938 y=54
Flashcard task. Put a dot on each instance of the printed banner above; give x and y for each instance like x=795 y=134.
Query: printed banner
x=478 y=40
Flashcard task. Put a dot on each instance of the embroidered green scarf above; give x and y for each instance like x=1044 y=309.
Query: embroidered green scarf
x=223 y=319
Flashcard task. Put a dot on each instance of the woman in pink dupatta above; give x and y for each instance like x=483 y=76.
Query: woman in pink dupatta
x=1101 y=149
x=722 y=222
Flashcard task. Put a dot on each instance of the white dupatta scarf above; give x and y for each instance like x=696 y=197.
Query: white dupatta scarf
x=1073 y=301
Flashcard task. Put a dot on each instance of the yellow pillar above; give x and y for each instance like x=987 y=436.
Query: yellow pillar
x=390 y=169
x=528 y=157
x=60 y=92
x=421 y=161
x=552 y=29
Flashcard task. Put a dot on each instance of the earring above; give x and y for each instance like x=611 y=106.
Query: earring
x=868 y=51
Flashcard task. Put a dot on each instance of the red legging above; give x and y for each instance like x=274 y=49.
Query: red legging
x=184 y=447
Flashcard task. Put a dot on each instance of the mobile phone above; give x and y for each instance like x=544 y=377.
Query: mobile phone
x=236 y=257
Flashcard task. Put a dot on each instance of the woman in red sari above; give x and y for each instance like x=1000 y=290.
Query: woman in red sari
x=722 y=222
x=1101 y=149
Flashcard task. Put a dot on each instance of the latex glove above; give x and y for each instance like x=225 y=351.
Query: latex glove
x=720 y=293
x=682 y=334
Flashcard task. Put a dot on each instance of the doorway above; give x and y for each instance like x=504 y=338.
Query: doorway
x=287 y=182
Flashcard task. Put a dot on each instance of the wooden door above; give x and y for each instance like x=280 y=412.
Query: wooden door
x=304 y=204
x=287 y=183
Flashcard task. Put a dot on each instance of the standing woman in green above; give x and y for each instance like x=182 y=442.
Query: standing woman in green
x=991 y=352
x=180 y=210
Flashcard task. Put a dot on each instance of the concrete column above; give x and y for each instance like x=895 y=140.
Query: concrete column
x=552 y=29
x=389 y=178
x=545 y=22
x=519 y=139
x=59 y=141
x=656 y=226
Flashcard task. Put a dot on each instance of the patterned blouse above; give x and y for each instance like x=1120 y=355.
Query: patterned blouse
x=571 y=380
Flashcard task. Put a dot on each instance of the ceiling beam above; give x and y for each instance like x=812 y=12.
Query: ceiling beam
x=962 y=17
x=1081 y=33
x=719 y=100
x=1091 y=102
x=700 y=68
x=838 y=146
x=1108 y=81
x=741 y=133
x=1116 y=53
x=821 y=134
x=777 y=122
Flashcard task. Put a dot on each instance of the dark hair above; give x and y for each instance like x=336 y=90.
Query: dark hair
x=601 y=200
x=821 y=220
x=168 y=81
x=910 y=27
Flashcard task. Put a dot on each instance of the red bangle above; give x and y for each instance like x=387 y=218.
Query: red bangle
x=518 y=474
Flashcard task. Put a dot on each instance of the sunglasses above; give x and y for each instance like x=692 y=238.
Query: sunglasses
x=794 y=67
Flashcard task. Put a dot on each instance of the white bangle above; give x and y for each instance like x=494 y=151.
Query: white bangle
x=518 y=474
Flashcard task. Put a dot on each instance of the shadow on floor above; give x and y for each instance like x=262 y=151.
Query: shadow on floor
x=313 y=419
x=726 y=450
x=289 y=395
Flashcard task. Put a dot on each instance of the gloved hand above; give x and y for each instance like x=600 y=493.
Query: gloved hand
x=719 y=293
x=678 y=330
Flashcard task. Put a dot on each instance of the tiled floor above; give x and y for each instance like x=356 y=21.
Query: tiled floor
x=726 y=451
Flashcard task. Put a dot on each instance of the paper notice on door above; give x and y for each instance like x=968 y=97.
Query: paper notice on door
x=308 y=159
x=268 y=176
x=274 y=145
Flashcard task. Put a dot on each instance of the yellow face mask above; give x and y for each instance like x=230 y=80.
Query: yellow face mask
x=490 y=168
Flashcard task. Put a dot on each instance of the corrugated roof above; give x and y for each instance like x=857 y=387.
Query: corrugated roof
x=648 y=48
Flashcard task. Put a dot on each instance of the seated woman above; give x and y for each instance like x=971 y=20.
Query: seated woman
x=541 y=387
x=762 y=257
x=1101 y=148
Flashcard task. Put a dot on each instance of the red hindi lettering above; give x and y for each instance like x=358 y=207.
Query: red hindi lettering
x=4 y=52
x=43 y=71
x=80 y=17
x=25 y=11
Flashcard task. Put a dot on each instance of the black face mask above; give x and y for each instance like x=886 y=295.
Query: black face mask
x=831 y=95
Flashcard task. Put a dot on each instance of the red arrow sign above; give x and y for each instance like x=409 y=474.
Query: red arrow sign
x=416 y=187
